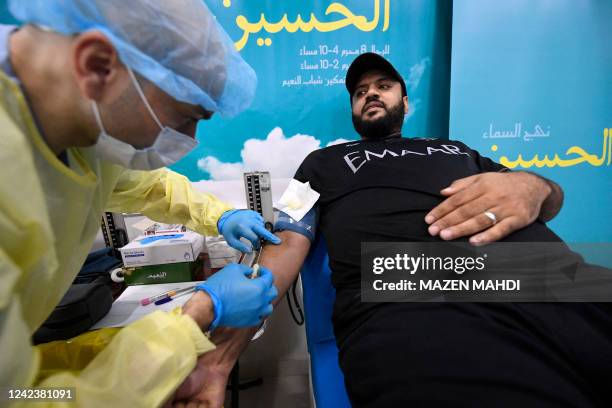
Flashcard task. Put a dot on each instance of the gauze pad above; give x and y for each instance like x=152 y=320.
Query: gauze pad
x=298 y=199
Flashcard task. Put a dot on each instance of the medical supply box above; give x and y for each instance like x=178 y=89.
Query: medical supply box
x=163 y=249
x=166 y=273
x=220 y=253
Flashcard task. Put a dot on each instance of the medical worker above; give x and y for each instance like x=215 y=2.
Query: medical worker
x=96 y=98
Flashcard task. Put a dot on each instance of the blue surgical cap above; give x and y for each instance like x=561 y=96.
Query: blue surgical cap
x=177 y=45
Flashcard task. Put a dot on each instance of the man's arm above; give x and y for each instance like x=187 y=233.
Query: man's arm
x=553 y=203
x=200 y=308
x=206 y=385
x=516 y=198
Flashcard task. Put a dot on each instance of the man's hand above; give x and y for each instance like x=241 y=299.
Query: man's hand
x=240 y=301
x=205 y=386
x=236 y=224
x=515 y=199
x=200 y=308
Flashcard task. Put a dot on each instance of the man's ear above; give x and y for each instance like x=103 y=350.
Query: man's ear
x=95 y=64
x=406 y=106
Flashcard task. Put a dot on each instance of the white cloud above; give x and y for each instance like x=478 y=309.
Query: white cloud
x=414 y=79
x=413 y=106
x=219 y=170
x=416 y=73
x=279 y=155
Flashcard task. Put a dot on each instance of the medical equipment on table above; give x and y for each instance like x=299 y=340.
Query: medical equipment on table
x=162 y=249
x=258 y=190
x=251 y=260
x=178 y=293
x=164 y=273
x=161 y=296
x=127 y=308
x=259 y=198
x=159 y=228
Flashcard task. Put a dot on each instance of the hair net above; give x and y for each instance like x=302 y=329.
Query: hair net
x=177 y=45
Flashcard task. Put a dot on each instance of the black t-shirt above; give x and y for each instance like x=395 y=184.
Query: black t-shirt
x=381 y=191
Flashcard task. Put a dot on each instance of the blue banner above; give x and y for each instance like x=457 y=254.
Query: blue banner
x=532 y=89
x=301 y=51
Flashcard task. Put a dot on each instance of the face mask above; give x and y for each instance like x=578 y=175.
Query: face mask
x=169 y=147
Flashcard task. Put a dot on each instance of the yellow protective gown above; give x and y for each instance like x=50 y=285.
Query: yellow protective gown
x=49 y=217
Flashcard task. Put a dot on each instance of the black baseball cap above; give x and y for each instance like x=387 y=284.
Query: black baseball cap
x=367 y=62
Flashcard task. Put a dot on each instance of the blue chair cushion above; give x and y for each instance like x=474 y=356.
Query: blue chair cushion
x=319 y=296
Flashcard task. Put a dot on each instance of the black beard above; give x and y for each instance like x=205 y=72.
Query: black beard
x=383 y=127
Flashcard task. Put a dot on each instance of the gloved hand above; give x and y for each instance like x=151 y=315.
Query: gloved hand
x=239 y=301
x=235 y=224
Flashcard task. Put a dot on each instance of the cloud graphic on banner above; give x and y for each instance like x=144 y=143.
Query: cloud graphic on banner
x=414 y=79
x=279 y=155
x=413 y=106
x=416 y=73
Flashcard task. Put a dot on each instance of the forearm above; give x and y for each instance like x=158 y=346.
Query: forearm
x=554 y=199
x=200 y=308
x=553 y=203
x=285 y=261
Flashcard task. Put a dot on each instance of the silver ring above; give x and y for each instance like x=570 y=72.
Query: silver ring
x=491 y=216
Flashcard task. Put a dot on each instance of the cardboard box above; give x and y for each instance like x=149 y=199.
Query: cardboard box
x=168 y=273
x=220 y=253
x=163 y=249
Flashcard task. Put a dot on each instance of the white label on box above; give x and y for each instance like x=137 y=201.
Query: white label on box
x=185 y=248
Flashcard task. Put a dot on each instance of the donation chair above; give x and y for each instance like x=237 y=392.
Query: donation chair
x=319 y=296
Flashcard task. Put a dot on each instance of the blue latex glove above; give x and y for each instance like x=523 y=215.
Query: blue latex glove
x=239 y=301
x=235 y=224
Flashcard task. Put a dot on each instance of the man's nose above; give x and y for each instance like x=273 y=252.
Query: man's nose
x=372 y=94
